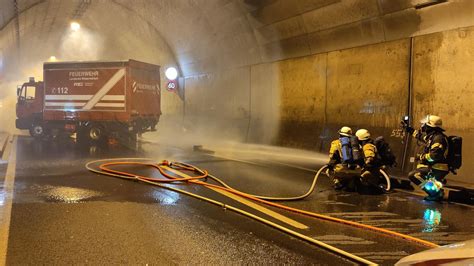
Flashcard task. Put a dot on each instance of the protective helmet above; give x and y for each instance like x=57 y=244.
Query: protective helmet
x=363 y=134
x=432 y=121
x=345 y=131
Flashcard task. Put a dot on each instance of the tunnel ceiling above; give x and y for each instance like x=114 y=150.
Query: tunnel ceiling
x=205 y=35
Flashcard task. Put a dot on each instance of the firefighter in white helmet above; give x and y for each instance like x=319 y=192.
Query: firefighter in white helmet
x=432 y=166
x=342 y=162
x=335 y=153
x=369 y=175
x=368 y=147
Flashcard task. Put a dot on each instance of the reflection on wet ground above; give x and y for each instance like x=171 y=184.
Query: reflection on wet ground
x=431 y=219
x=66 y=194
x=53 y=172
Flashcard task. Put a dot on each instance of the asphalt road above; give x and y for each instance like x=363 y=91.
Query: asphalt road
x=63 y=214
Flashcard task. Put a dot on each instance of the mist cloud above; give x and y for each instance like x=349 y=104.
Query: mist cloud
x=81 y=45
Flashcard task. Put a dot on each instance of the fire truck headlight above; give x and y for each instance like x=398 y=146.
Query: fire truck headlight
x=171 y=73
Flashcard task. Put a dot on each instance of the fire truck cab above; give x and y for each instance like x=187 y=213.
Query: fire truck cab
x=29 y=107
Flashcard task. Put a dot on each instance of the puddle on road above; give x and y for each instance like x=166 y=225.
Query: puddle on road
x=166 y=197
x=67 y=194
x=333 y=202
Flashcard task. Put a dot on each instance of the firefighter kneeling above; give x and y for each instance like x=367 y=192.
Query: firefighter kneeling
x=344 y=157
x=370 y=177
x=353 y=162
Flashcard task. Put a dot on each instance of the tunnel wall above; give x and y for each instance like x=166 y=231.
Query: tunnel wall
x=443 y=84
x=311 y=72
x=359 y=87
x=280 y=72
x=367 y=86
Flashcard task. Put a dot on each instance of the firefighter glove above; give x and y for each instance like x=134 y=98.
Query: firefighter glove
x=409 y=129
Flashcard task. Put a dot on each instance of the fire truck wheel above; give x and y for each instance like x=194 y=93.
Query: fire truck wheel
x=96 y=133
x=37 y=130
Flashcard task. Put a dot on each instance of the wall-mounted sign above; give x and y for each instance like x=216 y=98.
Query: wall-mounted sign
x=172 y=85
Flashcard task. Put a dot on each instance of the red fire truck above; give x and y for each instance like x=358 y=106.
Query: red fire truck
x=96 y=100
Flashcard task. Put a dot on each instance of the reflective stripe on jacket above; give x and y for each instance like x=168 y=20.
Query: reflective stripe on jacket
x=435 y=149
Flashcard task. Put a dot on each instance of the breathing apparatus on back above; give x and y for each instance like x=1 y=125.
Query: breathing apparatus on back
x=434 y=123
x=349 y=147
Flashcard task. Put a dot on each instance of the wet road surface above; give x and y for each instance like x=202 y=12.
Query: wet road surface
x=63 y=214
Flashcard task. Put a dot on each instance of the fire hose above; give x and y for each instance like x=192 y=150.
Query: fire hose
x=105 y=169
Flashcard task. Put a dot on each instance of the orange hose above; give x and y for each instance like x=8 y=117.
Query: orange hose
x=104 y=167
x=195 y=180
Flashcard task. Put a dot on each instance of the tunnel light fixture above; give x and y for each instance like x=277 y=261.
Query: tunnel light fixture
x=53 y=59
x=171 y=73
x=75 y=26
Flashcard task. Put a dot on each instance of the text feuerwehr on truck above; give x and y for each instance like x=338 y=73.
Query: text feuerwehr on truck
x=96 y=100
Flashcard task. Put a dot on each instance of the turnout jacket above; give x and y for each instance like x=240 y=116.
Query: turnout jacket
x=335 y=152
x=435 y=150
x=370 y=151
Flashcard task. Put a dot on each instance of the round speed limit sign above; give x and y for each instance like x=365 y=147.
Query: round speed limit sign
x=172 y=85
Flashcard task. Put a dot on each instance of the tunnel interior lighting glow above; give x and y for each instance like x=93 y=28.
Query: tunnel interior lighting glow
x=171 y=73
x=53 y=59
x=1 y=61
x=75 y=26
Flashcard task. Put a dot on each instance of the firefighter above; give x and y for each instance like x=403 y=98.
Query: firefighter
x=341 y=160
x=432 y=166
x=370 y=177
x=335 y=152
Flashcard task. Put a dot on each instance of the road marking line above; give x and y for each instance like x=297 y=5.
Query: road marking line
x=244 y=201
x=7 y=194
x=4 y=149
x=262 y=209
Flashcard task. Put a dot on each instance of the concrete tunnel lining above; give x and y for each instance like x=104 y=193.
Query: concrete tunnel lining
x=250 y=56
